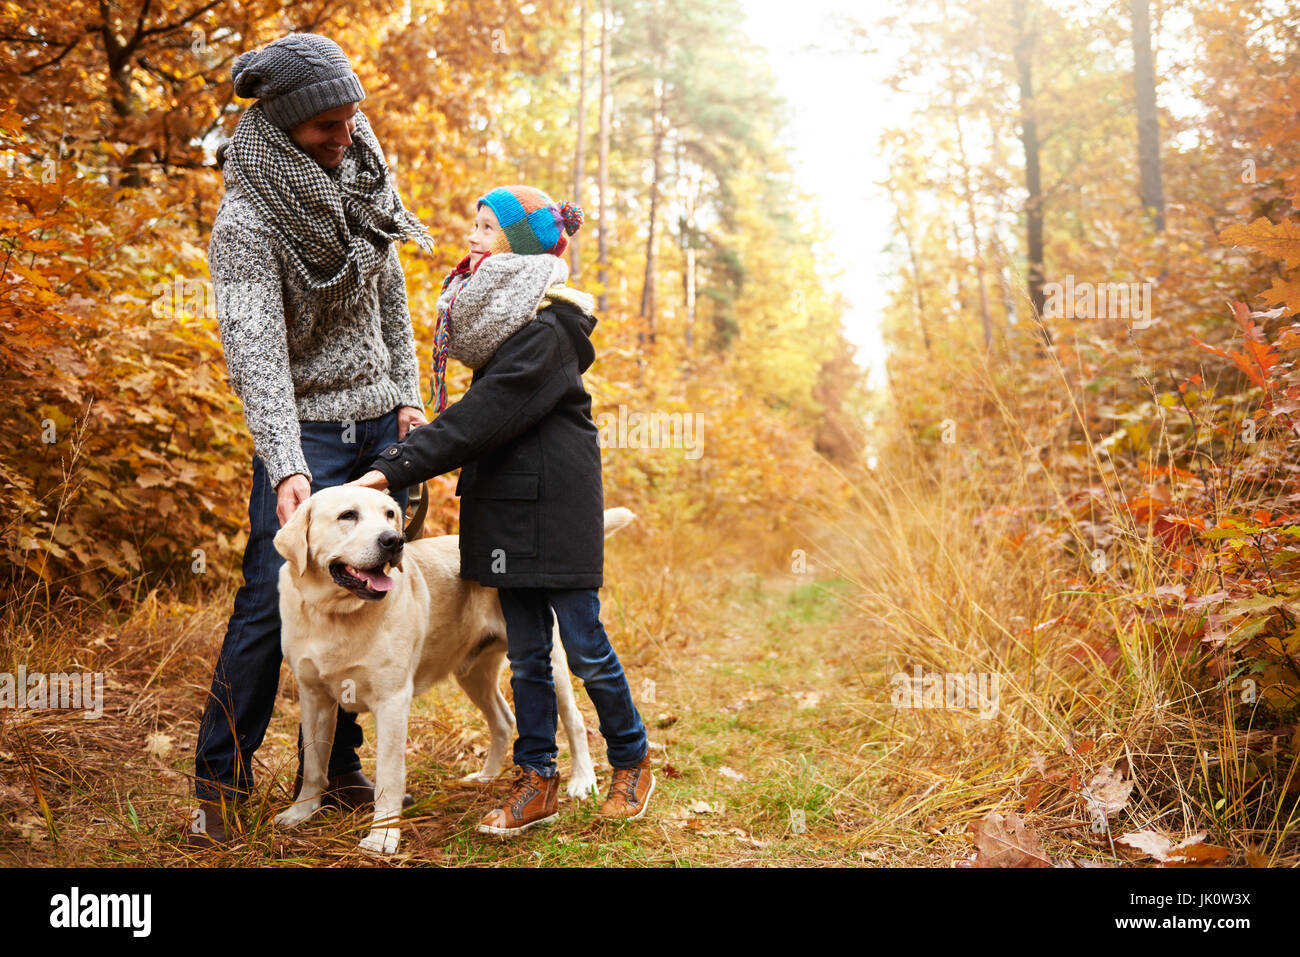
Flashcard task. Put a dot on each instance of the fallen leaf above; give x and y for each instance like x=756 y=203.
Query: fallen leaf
x=750 y=697
x=807 y=699
x=1149 y=843
x=738 y=833
x=679 y=816
x=1190 y=852
x=31 y=826
x=1034 y=796
x=1005 y=842
x=1108 y=791
x=1198 y=855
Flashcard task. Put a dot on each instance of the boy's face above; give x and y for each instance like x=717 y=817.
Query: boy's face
x=487 y=231
x=324 y=136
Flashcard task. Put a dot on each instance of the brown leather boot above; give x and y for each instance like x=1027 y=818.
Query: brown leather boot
x=348 y=791
x=211 y=828
x=629 y=792
x=533 y=799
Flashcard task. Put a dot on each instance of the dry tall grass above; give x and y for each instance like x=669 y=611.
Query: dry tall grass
x=970 y=557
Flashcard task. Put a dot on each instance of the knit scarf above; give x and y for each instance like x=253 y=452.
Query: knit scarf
x=335 y=225
x=481 y=308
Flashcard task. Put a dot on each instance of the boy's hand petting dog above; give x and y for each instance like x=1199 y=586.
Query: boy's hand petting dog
x=408 y=417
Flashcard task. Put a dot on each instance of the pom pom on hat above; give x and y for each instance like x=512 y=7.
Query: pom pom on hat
x=571 y=213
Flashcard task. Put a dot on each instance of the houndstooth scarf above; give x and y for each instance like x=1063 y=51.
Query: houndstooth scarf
x=335 y=228
x=481 y=308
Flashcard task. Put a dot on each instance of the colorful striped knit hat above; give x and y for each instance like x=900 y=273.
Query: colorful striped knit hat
x=531 y=222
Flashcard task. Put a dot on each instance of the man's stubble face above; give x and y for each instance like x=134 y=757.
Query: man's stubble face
x=324 y=136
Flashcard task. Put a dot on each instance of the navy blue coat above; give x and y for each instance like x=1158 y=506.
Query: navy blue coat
x=532 y=503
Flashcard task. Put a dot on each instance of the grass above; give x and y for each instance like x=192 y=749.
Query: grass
x=768 y=696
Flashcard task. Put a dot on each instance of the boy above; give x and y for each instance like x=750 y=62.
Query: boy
x=532 y=503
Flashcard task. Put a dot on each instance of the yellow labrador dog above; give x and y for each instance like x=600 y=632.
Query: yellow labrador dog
x=369 y=621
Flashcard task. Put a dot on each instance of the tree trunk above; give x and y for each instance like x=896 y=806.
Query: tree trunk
x=580 y=159
x=686 y=226
x=1151 y=188
x=959 y=272
x=986 y=319
x=656 y=161
x=602 y=238
x=1033 y=174
x=690 y=300
x=1004 y=265
x=125 y=105
x=917 y=294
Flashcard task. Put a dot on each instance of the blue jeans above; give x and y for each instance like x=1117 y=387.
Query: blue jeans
x=247 y=674
x=591 y=657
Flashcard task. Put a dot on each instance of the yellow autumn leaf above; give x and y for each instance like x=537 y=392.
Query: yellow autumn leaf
x=1280 y=240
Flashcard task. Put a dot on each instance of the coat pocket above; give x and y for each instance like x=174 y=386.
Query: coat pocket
x=509 y=517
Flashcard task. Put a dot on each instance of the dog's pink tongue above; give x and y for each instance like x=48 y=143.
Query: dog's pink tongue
x=375 y=579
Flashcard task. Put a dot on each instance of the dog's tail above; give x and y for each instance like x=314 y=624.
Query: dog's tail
x=616 y=518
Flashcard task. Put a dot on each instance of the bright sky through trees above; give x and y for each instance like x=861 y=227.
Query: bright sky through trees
x=839 y=106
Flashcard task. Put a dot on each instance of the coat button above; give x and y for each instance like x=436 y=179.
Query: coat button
x=391 y=451
x=406 y=463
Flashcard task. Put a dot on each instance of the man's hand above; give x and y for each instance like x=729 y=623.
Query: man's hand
x=372 y=479
x=290 y=493
x=409 y=417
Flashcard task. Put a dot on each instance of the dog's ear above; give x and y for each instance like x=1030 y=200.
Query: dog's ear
x=291 y=541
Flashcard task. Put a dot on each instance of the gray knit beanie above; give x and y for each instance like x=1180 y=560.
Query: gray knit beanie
x=297 y=77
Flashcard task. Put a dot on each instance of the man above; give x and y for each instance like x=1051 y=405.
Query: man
x=311 y=303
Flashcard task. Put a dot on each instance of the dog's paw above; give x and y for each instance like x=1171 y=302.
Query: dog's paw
x=382 y=840
x=297 y=814
x=479 y=777
x=582 y=785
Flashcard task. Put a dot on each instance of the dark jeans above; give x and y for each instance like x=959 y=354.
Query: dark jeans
x=248 y=672
x=591 y=657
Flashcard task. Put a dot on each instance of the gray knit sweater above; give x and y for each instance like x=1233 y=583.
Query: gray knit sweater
x=291 y=358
